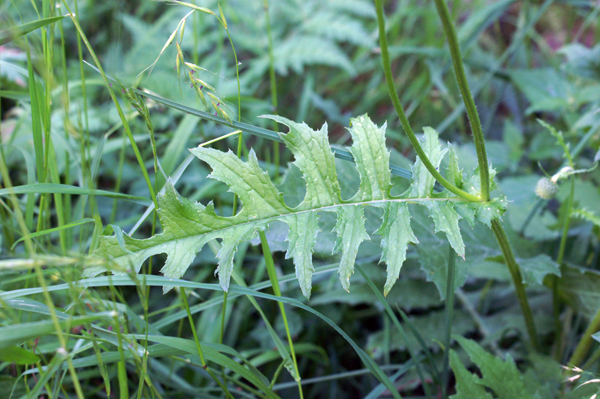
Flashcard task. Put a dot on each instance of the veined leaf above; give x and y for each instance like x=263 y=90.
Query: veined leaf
x=501 y=376
x=396 y=234
x=422 y=180
x=350 y=229
x=188 y=226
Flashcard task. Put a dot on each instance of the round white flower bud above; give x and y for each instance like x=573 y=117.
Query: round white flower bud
x=546 y=188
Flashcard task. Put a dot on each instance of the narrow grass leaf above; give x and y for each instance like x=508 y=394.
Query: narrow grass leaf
x=10 y=34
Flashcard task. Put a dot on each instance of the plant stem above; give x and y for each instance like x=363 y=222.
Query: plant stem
x=465 y=91
x=586 y=341
x=203 y=362
x=448 y=313
x=275 y=284
x=515 y=273
x=273 y=81
x=117 y=105
x=559 y=259
x=385 y=58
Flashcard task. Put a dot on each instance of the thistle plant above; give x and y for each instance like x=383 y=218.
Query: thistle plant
x=188 y=226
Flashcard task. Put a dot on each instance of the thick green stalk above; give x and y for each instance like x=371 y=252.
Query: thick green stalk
x=385 y=58
x=463 y=84
x=479 y=140
x=515 y=273
x=584 y=345
x=448 y=313
x=275 y=284
x=559 y=259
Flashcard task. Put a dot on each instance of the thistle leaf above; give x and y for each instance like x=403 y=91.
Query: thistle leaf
x=188 y=226
x=453 y=172
x=423 y=181
x=350 y=229
x=315 y=159
x=396 y=234
x=372 y=158
x=302 y=238
x=446 y=219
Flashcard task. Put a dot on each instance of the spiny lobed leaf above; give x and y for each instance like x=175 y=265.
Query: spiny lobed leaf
x=188 y=226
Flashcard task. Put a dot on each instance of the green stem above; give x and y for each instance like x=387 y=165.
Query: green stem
x=273 y=81
x=465 y=91
x=385 y=58
x=584 y=345
x=559 y=259
x=449 y=312
x=203 y=362
x=117 y=105
x=275 y=284
x=515 y=273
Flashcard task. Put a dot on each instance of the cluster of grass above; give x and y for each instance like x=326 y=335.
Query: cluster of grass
x=100 y=102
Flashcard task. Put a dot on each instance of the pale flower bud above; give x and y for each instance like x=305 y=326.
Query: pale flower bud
x=546 y=188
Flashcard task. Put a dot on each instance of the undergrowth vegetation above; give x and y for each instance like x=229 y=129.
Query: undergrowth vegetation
x=320 y=199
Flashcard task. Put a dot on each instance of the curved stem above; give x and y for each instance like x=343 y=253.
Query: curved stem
x=465 y=91
x=385 y=58
x=515 y=273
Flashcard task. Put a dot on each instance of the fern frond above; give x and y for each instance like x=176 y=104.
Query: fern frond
x=297 y=51
x=188 y=226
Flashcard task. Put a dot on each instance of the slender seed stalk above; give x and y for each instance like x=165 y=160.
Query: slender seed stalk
x=465 y=91
x=385 y=58
x=275 y=284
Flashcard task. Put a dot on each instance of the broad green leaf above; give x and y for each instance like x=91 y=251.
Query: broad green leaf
x=430 y=326
x=582 y=60
x=423 y=181
x=535 y=269
x=468 y=386
x=18 y=355
x=18 y=333
x=580 y=288
x=396 y=234
x=501 y=376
